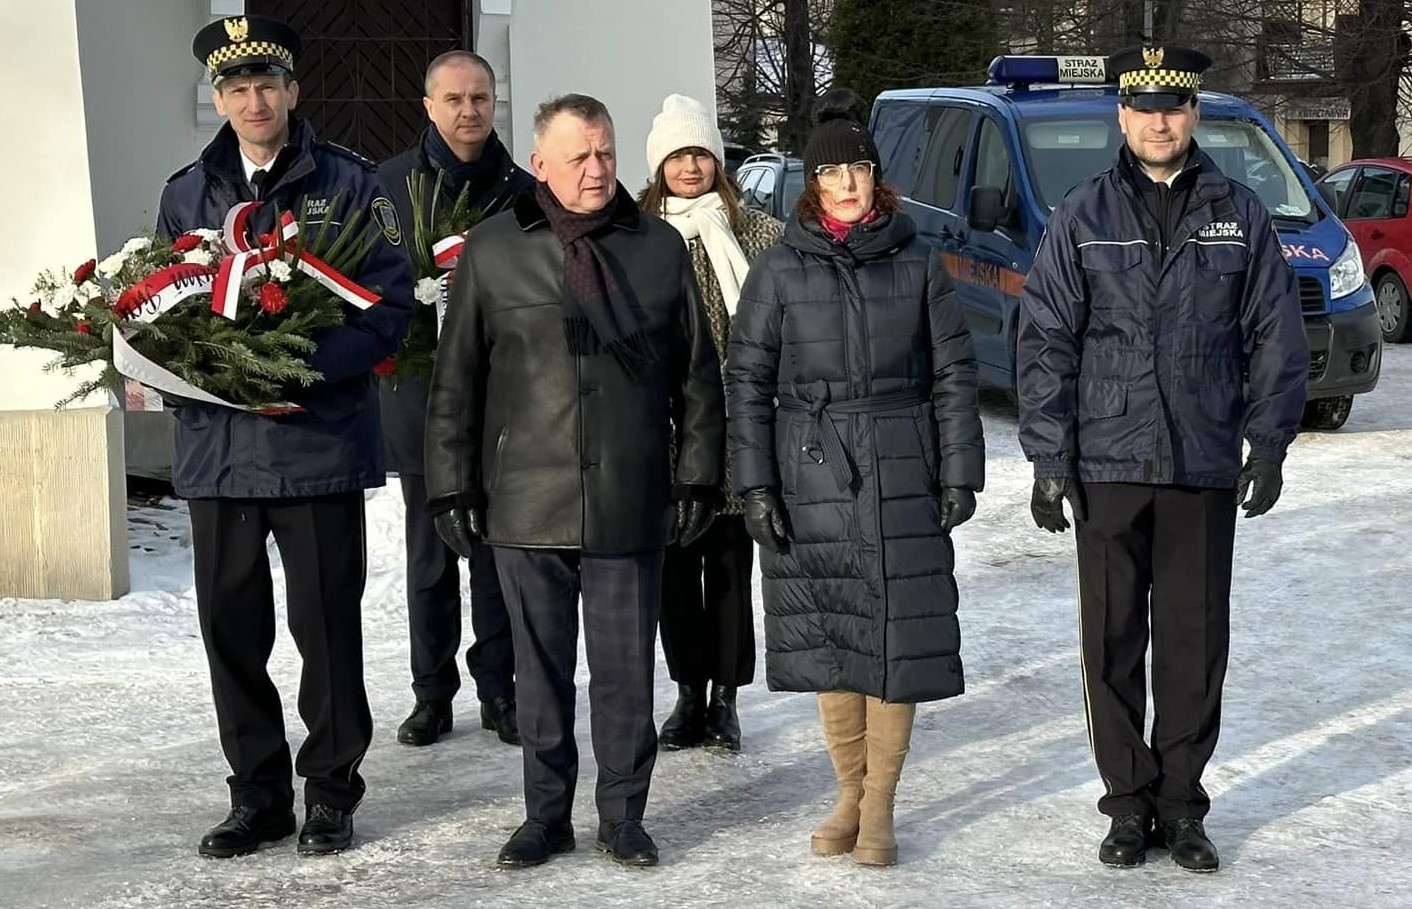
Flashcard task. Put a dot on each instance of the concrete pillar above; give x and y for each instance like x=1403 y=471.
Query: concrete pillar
x=62 y=485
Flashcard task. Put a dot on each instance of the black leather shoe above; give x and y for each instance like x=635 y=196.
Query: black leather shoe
x=245 y=829
x=1126 y=843
x=627 y=843
x=1186 y=839
x=686 y=727
x=499 y=715
x=326 y=831
x=429 y=721
x=534 y=843
x=722 y=722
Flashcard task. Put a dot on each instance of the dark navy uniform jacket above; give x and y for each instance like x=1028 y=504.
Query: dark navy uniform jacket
x=1134 y=368
x=335 y=445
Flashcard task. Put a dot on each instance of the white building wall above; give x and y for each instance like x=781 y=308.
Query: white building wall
x=629 y=54
x=142 y=88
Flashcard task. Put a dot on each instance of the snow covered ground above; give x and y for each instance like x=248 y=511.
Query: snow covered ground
x=110 y=769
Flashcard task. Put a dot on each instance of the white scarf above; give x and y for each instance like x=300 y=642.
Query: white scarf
x=705 y=217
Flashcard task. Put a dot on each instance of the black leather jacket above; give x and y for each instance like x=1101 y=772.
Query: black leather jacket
x=565 y=451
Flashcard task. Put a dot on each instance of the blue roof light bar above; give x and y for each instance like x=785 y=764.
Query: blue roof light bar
x=1020 y=71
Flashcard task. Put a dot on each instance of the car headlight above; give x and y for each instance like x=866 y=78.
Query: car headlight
x=1346 y=274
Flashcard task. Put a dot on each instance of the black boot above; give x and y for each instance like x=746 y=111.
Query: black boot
x=627 y=843
x=534 y=843
x=722 y=722
x=429 y=721
x=1186 y=839
x=500 y=715
x=1126 y=843
x=686 y=727
x=245 y=829
x=326 y=831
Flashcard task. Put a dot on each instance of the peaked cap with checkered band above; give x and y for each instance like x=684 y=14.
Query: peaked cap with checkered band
x=246 y=46
x=1157 y=77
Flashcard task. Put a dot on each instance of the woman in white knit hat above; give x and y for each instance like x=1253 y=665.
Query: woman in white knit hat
x=708 y=625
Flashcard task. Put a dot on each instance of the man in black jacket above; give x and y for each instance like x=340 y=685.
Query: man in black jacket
x=460 y=148
x=299 y=477
x=574 y=330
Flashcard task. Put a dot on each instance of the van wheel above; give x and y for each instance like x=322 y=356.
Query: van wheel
x=1327 y=414
x=1393 y=308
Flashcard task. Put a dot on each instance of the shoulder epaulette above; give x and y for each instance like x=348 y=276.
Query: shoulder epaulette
x=346 y=152
x=184 y=171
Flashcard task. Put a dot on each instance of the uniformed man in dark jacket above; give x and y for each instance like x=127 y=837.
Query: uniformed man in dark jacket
x=461 y=148
x=574 y=331
x=299 y=477
x=1160 y=323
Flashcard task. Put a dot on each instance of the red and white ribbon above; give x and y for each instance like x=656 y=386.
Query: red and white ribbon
x=245 y=260
x=447 y=252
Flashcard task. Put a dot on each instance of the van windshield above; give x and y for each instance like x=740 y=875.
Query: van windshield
x=1063 y=152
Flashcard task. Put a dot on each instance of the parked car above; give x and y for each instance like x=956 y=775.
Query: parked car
x=980 y=169
x=736 y=154
x=1370 y=195
x=771 y=183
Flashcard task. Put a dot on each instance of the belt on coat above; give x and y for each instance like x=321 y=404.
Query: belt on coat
x=821 y=410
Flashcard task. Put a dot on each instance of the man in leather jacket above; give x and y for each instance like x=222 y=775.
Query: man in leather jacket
x=574 y=330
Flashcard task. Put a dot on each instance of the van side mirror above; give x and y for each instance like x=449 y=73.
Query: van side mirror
x=987 y=209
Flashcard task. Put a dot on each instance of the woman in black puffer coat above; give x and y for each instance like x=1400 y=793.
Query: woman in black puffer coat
x=855 y=438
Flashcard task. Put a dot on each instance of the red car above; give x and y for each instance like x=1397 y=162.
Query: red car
x=1370 y=197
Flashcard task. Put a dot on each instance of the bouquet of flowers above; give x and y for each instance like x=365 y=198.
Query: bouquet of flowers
x=210 y=316
x=438 y=233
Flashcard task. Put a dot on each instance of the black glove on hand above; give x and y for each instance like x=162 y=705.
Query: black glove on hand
x=1047 y=503
x=1268 y=481
x=764 y=519
x=957 y=506
x=461 y=529
x=694 y=517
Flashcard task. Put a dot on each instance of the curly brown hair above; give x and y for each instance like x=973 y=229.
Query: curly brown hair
x=809 y=207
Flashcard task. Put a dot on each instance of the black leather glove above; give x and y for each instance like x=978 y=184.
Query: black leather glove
x=461 y=529
x=694 y=517
x=1268 y=480
x=764 y=519
x=1047 y=503
x=957 y=506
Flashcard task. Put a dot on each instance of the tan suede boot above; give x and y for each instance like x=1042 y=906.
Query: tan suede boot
x=843 y=714
x=889 y=737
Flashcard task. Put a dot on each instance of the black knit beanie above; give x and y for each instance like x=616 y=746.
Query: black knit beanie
x=840 y=137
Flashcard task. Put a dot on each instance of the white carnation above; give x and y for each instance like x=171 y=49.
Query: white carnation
x=206 y=234
x=196 y=257
x=112 y=265
x=428 y=291
x=136 y=245
x=63 y=295
x=280 y=272
x=89 y=291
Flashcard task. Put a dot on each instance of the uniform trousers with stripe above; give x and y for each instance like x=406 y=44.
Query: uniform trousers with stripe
x=1154 y=561
x=322 y=544
x=622 y=597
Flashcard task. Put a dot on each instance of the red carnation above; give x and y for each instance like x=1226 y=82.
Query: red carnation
x=85 y=271
x=386 y=367
x=35 y=307
x=83 y=328
x=185 y=243
x=273 y=299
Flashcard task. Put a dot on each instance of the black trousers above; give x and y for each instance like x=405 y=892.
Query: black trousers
x=621 y=599
x=323 y=547
x=434 y=611
x=708 y=622
x=1158 y=558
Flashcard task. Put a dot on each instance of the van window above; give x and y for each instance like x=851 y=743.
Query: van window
x=900 y=130
x=940 y=173
x=1065 y=152
x=993 y=159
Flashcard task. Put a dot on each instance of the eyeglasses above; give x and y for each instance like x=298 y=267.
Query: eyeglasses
x=832 y=174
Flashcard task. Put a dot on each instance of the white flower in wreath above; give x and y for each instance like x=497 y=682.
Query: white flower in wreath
x=89 y=291
x=207 y=235
x=110 y=266
x=136 y=245
x=63 y=296
x=280 y=272
x=197 y=257
x=428 y=291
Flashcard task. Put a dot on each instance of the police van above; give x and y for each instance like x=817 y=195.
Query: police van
x=980 y=169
